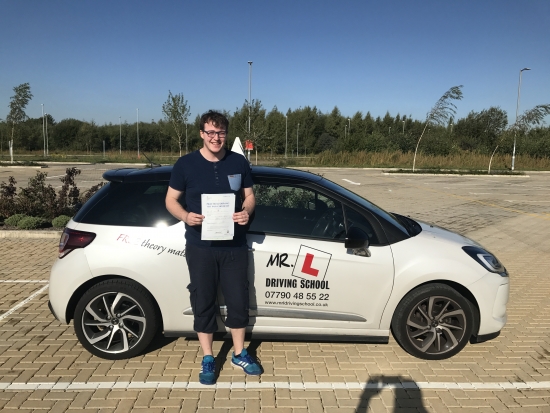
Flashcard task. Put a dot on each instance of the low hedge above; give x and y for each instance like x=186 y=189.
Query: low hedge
x=61 y=221
x=13 y=220
x=33 y=223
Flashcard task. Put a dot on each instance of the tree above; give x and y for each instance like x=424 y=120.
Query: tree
x=176 y=112
x=257 y=130
x=481 y=130
x=17 y=106
x=524 y=123
x=275 y=125
x=440 y=113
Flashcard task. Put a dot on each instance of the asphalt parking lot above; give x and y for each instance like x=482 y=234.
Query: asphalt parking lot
x=43 y=367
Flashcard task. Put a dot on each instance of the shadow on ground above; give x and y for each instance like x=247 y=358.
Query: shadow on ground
x=407 y=395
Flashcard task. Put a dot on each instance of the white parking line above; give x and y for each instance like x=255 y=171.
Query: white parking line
x=351 y=182
x=22 y=303
x=24 y=281
x=523 y=200
x=152 y=385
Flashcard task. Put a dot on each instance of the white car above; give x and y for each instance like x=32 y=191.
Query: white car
x=325 y=264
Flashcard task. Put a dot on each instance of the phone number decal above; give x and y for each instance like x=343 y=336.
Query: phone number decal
x=297 y=296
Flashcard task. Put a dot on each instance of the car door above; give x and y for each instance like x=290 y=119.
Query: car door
x=301 y=274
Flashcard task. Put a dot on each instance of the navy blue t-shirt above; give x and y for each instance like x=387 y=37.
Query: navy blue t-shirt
x=194 y=175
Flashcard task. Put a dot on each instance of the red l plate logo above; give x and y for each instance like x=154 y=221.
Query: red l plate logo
x=306 y=268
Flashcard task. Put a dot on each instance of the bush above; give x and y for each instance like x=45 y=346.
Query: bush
x=14 y=220
x=61 y=221
x=8 y=191
x=33 y=223
x=39 y=198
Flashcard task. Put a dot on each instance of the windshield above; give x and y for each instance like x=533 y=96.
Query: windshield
x=366 y=204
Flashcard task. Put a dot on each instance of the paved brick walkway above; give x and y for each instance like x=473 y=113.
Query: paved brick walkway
x=44 y=369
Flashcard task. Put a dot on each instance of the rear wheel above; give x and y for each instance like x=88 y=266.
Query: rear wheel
x=116 y=319
x=433 y=322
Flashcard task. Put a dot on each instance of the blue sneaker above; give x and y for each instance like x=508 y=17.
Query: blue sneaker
x=247 y=363
x=208 y=371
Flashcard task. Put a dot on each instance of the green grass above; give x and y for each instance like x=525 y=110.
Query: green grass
x=437 y=171
x=462 y=161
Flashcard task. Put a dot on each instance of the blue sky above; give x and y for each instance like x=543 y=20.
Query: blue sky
x=103 y=59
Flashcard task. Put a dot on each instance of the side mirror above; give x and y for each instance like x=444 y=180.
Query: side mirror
x=356 y=238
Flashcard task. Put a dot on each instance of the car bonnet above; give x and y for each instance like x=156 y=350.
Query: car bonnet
x=445 y=234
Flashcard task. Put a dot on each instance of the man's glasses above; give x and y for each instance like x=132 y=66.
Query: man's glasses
x=212 y=134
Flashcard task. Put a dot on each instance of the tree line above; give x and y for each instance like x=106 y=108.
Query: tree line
x=302 y=131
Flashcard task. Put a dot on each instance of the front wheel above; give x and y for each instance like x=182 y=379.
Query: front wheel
x=116 y=319
x=433 y=322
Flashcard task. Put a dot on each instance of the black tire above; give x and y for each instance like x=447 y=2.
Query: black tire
x=433 y=322
x=116 y=319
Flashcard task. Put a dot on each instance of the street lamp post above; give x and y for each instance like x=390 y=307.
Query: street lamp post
x=249 y=94
x=43 y=132
x=403 y=127
x=517 y=110
x=47 y=148
x=120 y=136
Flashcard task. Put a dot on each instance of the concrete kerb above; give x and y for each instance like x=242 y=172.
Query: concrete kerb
x=461 y=175
x=30 y=234
x=22 y=167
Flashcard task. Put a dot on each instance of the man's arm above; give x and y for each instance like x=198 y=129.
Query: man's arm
x=249 y=203
x=174 y=207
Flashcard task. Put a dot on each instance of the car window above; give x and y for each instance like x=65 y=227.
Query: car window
x=139 y=204
x=356 y=219
x=296 y=211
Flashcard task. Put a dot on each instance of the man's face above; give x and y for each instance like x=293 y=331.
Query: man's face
x=213 y=137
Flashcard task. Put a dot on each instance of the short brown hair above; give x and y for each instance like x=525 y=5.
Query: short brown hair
x=219 y=120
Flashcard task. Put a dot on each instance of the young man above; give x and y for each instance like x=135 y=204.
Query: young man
x=215 y=170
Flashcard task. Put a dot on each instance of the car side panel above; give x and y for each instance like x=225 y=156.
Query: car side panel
x=332 y=289
x=153 y=257
x=414 y=266
x=67 y=275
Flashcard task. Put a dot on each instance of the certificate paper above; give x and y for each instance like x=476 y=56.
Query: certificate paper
x=218 y=212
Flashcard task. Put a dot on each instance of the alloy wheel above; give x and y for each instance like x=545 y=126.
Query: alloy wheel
x=436 y=325
x=113 y=322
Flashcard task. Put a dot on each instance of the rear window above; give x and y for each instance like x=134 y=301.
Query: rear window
x=139 y=204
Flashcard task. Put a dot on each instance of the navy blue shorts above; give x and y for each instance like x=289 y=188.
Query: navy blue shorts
x=209 y=267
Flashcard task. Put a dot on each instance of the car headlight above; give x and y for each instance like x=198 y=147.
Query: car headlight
x=486 y=259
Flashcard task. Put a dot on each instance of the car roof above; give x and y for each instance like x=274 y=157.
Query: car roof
x=163 y=173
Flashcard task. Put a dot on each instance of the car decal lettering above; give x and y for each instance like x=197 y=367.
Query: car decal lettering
x=127 y=239
x=281 y=282
x=278 y=260
x=154 y=247
x=179 y=253
x=316 y=284
x=146 y=243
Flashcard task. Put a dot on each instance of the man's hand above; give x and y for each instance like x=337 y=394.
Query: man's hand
x=193 y=219
x=241 y=218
